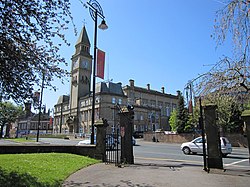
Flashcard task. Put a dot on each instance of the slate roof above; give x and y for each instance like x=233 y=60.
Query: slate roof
x=109 y=88
x=63 y=99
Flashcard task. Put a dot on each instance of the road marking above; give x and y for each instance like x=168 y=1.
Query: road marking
x=192 y=161
x=237 y=162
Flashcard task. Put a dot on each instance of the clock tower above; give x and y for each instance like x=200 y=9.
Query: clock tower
x=81 y=69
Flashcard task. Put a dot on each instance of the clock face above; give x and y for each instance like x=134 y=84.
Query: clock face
x=75 y=62
x=84 y=64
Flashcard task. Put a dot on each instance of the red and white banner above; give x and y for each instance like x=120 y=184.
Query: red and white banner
x=100 y=63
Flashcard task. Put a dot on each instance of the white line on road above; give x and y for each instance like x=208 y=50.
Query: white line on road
x=234 y=164
x=237 y=162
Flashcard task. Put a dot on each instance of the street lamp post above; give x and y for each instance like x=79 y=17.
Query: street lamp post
x=40 y=106
x=95 y=10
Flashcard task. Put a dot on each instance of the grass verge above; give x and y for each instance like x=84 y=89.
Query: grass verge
x=40 y=170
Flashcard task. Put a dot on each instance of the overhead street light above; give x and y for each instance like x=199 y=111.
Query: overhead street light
x=95 y=11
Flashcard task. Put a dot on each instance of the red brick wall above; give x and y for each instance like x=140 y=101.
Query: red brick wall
x=237 y=140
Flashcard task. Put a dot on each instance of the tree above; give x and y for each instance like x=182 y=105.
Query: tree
x=228 y=112
x=8 y=114
x=182 y=114
x=173 y=120
x=27 y=46
x=235 y=122
x=232 y=73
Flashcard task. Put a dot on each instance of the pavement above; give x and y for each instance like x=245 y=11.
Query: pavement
x=146 y=174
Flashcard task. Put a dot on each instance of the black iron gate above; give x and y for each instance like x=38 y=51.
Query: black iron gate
x=119 y=147
x=113 y=148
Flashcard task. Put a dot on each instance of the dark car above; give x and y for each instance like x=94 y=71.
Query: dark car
x=138 y=134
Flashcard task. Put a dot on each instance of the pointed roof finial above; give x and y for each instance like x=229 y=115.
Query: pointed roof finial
x=83 y=37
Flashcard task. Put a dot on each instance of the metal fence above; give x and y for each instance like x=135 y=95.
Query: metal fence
x=113 y=148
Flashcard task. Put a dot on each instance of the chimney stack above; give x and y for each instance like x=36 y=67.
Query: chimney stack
x=163 y=89
x=132 y=83
x=148 y=85
x=178 y=93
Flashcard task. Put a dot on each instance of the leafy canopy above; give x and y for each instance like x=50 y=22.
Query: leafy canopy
x=27 y=50
x=9 y=112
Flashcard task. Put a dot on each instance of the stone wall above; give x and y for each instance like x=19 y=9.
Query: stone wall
x=168 y=138
x=237 y=140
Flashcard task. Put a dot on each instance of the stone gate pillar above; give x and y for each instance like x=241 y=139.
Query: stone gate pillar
x=101 y=127
x=214 y=159
x=246 y=118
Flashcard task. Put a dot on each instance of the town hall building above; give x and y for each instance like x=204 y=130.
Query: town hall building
x=72 y=113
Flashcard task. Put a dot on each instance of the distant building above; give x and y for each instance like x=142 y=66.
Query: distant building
x=72 y=113
x=28 y=123
x=152 y=108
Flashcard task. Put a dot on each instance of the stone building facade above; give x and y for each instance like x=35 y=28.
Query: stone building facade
x=152 y=108
x=72 y=113
x=28 y=123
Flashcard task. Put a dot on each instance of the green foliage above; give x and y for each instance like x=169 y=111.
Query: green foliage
x=194 y=118
x=48 y=169
x=235 y=122
x=182 y=114
x=173 y=120
x=27 y=51
x=190 y=125
x=228 y=110
x=246 y=105
x=8 y=114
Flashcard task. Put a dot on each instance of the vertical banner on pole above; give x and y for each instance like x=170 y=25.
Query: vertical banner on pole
x=100 y=63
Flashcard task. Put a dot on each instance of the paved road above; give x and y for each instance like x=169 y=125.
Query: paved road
x=163 y=152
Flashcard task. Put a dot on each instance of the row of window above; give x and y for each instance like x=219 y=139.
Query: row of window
x=61 y=108
x=85 y=116
x=165 y=110
x=160 y=104
x=34 y=125
x=88 y=102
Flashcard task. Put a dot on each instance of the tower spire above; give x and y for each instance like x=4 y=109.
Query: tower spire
x=83 y=38
x=82 y=44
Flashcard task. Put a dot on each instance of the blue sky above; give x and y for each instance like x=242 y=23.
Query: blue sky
x=163 y=43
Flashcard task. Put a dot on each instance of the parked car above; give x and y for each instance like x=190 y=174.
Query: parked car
x=196 y=146
x=133 y=140
x=86 y=141
x=110 y=143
